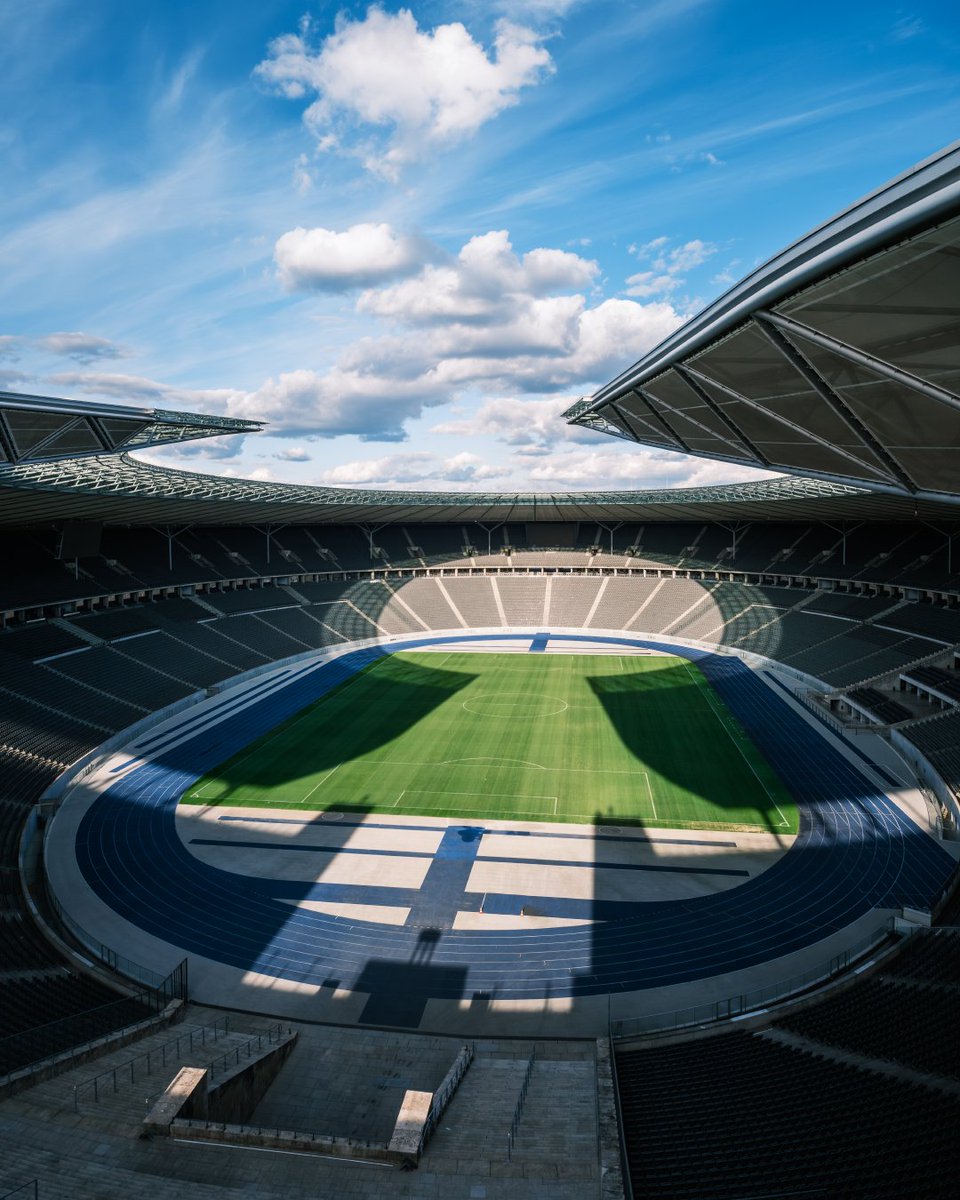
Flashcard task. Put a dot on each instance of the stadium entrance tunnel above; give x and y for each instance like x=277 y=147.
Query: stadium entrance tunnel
x=284 y=947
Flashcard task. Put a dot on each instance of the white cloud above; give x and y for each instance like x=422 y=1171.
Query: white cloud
x=532 y=426
x=373 y=406
x=486 y=282
x=666 y=265
x=82 y=347
x=302 y=176
x=135 y=389
x=360 y=256
x=636 y=468
x=416 y=467
x=411 y=90
x=649 y=283
x=293 y=454
x=9 y=345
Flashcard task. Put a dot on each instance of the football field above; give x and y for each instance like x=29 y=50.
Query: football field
x=632 y=739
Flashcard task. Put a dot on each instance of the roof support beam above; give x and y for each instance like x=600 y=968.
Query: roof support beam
x=802 y=365
x=862 y=359
x=7 y=441
x=630 y=434
x=696 y=387
x=805 y=433
x=648 y=400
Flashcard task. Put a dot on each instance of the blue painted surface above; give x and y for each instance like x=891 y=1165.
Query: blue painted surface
x=439 y=898
x=855 y=851
x=539 y=643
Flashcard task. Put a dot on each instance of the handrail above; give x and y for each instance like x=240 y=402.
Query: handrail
x=275 y=1032
x=173 y=985
x=521 y=1099
x=33 y=1183
x=739 y=1006
x=80 y=1027
x=111 y=1072
x=624 y=1161
x=443 y=1097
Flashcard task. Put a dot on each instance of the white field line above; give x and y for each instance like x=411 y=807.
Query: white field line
x=321 y=783
x=286 y=728
x=646 y=776
x=497 y=795
x=512 y=762
x=727 y=731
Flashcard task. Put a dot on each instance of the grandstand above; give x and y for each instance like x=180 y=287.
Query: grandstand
x=156 y=623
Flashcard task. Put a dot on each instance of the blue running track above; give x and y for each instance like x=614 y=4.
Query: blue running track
x=855 y=851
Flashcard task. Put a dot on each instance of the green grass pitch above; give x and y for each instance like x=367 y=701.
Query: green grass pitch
x=641 y=740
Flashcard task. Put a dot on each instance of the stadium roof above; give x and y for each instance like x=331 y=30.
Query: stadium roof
x=38 y=428
x=839 y=359
x=120 y=490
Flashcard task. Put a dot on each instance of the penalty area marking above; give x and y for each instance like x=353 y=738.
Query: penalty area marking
x=554 y=800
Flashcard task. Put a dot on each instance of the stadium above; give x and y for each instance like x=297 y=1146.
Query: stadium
x=539 y=844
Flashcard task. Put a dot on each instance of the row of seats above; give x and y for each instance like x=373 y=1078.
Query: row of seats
x=887 y=710
x=44 y=1016
x=738 y=1115
x=911 y=554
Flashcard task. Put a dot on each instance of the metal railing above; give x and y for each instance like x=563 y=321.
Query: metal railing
x=223 y=1062
x=118 y=1074
x=521 y=1099
x=443 y=1097
x=621 y=1136
x=738 y=1006
x=25 y=1189
x=32 y=1047
x=173 y=986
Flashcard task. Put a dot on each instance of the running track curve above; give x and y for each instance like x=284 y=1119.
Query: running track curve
x=855 y=851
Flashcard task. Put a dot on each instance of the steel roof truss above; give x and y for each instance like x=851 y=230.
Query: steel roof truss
x=736 y=446
x=650 y=403
x=7 y=440
x=877 y=365
x=629 y=422
x=787 y=423
x=802 y=365
x=690 y=379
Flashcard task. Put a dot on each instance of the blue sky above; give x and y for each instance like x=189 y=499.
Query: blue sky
x=409 y=237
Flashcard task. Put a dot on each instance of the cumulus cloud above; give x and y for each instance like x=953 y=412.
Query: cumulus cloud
x=533 y=426
x=410 y=91
x=371 y=405
x=487 y=282
x=666 y=265
x=293 y=454
x=82 y=347
x=414 y=468
x=492 y=316
x=363 y=255
x=488 y=318
x=135 y=389
x=634 y=467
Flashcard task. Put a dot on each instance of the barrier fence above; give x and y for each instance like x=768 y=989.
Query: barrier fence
x=521 y=1099
x=731 y=1007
